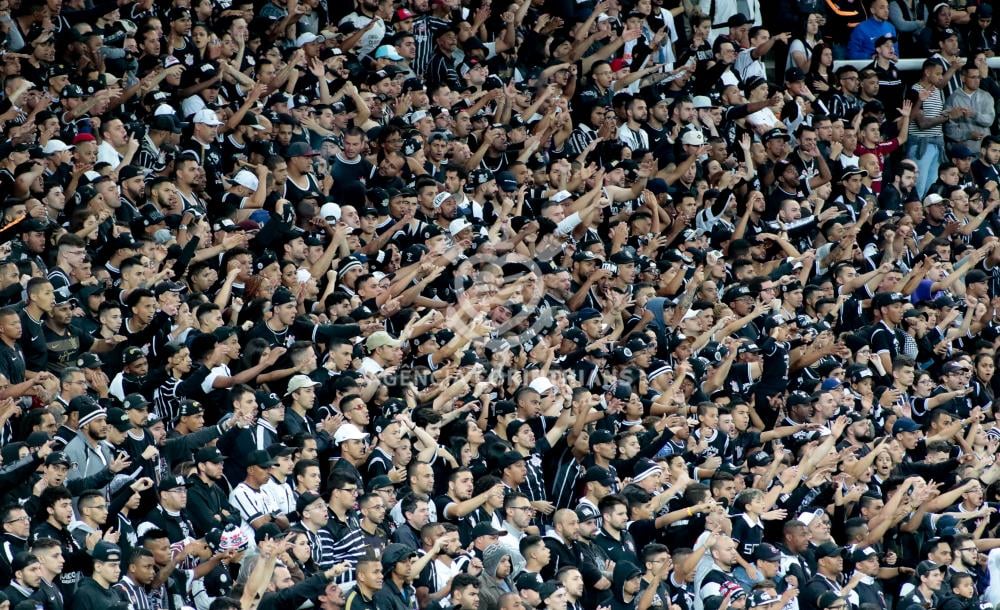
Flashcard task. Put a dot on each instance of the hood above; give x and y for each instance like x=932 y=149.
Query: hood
x=492 y=556
x=623 y=572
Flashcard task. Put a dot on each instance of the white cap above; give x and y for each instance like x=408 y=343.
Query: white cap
x=541 y=385
x=381 y=339
x=348 y=432
x=54 y=146
x=603 y=17
x=164 y=109
x=691 y=313
x=298 y=382
x=561 y=196
x=387 y=51
x=458 y=225
x=701 y=101
x=91 y=175
x=330 y=210
x=417 y=116
x=207 y=116
x=440 y=198
x=933 y=199
x=806 y=518
x=247 y=179
x=693 y=137
x=307 y=38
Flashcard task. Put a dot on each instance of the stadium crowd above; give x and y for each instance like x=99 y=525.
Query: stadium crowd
x=499 y=305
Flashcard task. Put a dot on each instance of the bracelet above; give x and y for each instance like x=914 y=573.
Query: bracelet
x=690 y=514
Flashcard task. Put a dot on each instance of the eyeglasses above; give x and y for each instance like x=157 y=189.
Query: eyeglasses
x=18 y=519
x=352 y=490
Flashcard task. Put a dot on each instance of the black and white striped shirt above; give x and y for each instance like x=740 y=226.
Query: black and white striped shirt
x=348 y=545
x=251 y=504
x=424 y=27
x=134 y=592
x=580 y=139
x=932 y=108
x=165 y=401
x=323 y=547
x=567 y=472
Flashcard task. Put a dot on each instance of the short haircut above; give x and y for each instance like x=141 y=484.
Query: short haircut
x=138 y=553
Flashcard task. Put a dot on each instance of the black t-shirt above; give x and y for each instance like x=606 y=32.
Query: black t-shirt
x=36 y=352
x=273 y=337
x=748 y=535
x=64 y=349
x=345 y=173
x=465 y=524
x=12 y=363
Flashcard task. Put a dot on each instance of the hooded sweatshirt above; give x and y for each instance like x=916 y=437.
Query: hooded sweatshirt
x=624 y=571
x=492 y=588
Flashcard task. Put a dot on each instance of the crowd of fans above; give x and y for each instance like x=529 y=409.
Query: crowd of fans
x=494 y=305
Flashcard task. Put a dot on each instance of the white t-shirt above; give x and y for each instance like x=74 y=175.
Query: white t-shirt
x=106 y=153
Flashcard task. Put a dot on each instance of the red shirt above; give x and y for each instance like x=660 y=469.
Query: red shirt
x=880 y=152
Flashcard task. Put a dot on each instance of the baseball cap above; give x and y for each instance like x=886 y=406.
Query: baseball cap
x=828 y=549
x=207 y=116
x=105 y=551
x=209 y=454
x=766 y=552
x=298 y=382
x=260 y=459
x=381 y=339
x=904 y=424
x=349 y=432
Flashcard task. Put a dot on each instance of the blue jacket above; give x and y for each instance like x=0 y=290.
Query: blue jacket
x=862 y=43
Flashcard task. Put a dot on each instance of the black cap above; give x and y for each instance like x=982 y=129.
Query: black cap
x=132 y=354
x=828 y=549
x=58 y=458
x=80 y=403
x=189 y=407
x=119 y=419
x=173 y=482
x=599 y=437
x=277 y=450
x=267 y=400
x=885 y=299
x=485 y=529
x=852 y=170
x=597 y=474
x=305 y=500
x=105 y=551
x=259 y=458
x=759 y=458
x=379 y=482
x=209 y=454
x=396 y=552
x=509 y=458
x=766 y=552
x=135 y=401
x=975 y=276
x=794 y=75
x=884 y=38
x=528 y=580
